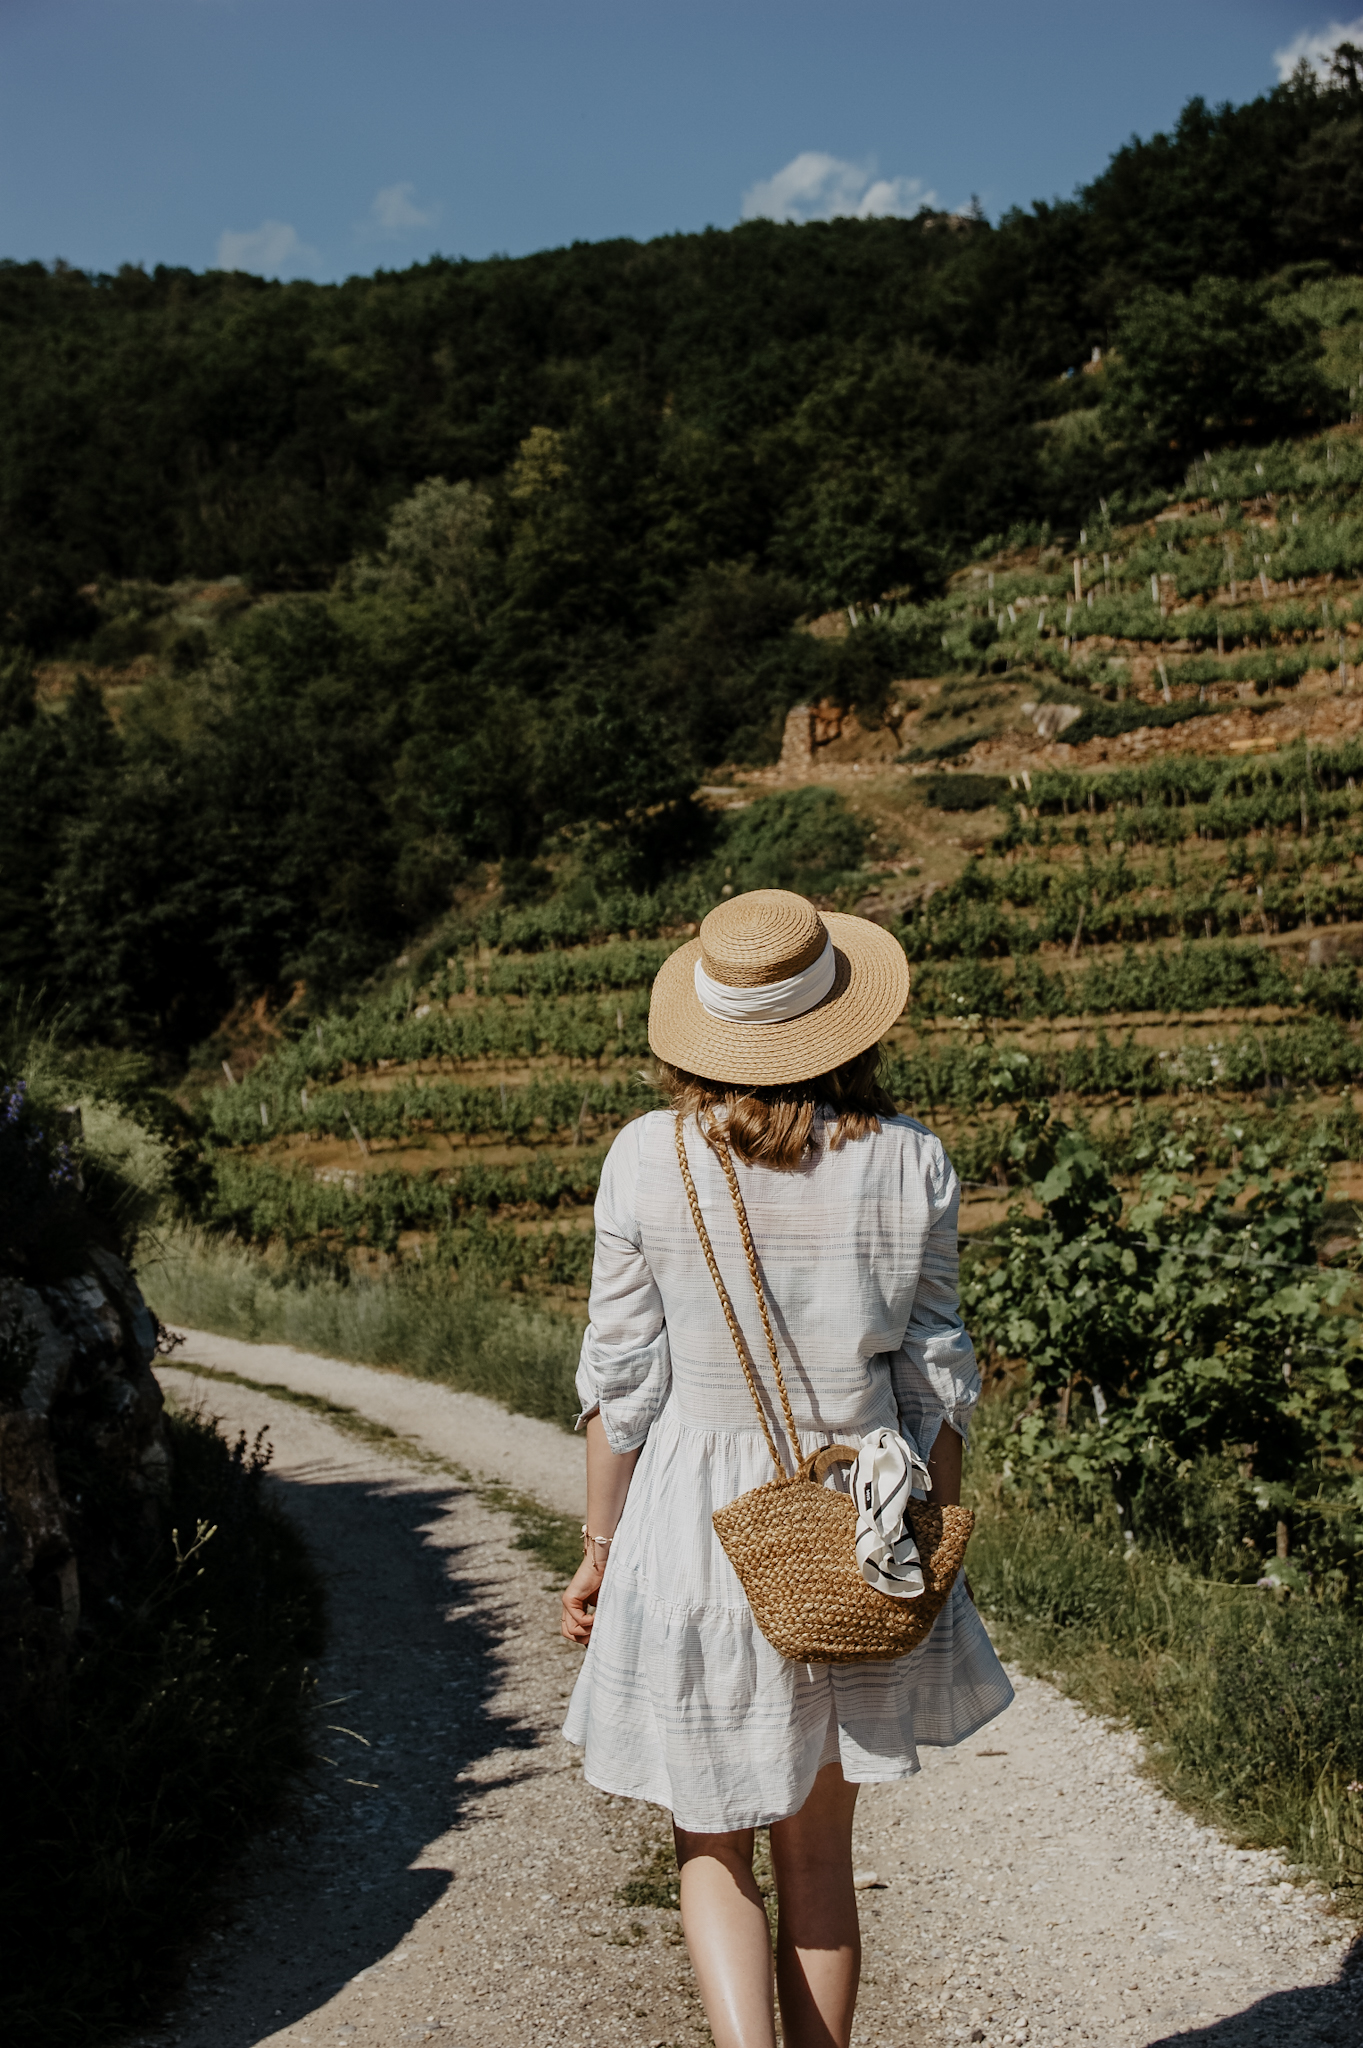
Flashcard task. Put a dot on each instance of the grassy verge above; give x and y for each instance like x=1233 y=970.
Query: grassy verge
x=1252 y=1707
x=185 y=1721
x=500 y=1345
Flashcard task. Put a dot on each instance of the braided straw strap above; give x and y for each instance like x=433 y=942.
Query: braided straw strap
x=792 y=1542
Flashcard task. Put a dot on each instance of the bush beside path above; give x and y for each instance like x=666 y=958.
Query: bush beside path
x=455 y=1877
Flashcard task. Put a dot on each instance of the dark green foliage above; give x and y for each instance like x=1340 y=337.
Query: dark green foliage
x=1323 y=1054
x=580 y=1027
x=963 y=792
x=1321 y=192
x=1193 y=978
x=187 y=1716
x=1300 y=876
x=1192 y=795
x=846 y=401
x=338 y=788
x=66 y=1186
x=803 y=839
x=1217 y=363
x=44 y=1226
x=1196 y=1327
x=1106 y=721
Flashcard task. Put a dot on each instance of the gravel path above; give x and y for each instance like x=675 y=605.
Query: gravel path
x=451 y=1876
x=536 y=1457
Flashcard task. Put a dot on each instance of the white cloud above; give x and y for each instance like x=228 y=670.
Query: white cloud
x=814 y=186
x=1316 y=47
x=394 y=212
x=268 y=250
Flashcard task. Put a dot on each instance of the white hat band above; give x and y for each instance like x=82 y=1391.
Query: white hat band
x=773 y=1002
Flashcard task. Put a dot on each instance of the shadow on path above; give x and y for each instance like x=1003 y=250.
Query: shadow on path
x=1329 y=2014
x=405 y=1706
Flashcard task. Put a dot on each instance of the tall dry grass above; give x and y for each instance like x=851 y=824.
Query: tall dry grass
x=501 y=1345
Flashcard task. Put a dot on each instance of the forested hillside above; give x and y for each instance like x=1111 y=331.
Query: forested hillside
x=847 y=403
x=324 y=607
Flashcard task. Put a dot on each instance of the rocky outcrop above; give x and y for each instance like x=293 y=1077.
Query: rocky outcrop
x=84 y=1464
x=1051 y=720
x=816 y=734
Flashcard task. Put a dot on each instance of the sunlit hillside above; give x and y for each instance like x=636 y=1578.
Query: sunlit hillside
x=1120 y=841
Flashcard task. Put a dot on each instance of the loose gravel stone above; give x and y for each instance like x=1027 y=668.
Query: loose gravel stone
x=1040 y=1889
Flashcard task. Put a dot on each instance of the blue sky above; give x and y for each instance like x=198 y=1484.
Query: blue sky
x=323 y=137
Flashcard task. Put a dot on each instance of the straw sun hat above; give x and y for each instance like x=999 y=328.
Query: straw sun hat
x=774 y=990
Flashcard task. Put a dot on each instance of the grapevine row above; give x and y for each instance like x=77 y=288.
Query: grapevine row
x=237 y=1116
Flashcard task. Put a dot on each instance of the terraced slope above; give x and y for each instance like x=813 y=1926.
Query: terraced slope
x=1120 y=841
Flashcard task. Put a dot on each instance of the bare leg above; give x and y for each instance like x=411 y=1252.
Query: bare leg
x=818 y=1950
x=726 y=1930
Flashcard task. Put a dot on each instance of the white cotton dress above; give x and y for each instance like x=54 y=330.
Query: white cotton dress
x=681 y=1700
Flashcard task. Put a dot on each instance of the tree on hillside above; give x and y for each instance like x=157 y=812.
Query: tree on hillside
x=1320 y=196
x=1219 y=363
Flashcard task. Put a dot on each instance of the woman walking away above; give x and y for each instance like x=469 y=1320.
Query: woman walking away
x=780 y=1237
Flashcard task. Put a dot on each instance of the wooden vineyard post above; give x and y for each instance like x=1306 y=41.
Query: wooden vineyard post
x=1078 y=582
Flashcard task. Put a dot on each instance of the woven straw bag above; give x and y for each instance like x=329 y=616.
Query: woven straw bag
x=792 y=1542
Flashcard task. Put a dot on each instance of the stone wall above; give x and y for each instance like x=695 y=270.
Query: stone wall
x=817 y=735
x=84 y=1463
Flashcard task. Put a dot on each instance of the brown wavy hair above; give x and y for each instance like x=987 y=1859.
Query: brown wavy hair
x=774 y=1126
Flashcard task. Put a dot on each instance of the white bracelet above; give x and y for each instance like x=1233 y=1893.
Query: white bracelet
x=586 y=1539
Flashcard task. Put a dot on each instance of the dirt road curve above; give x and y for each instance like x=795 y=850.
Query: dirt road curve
x=449 y=1876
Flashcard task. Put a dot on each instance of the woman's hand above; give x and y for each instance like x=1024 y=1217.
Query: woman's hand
x=944 y=1468
x=608 y=1475
x=579 y=1597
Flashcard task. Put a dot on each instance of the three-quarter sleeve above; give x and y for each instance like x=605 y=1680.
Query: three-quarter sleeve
x=934 y=1373
x=625 y=1369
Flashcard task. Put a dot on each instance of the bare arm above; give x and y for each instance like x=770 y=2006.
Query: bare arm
x=944 y=1468
x=608 y=1477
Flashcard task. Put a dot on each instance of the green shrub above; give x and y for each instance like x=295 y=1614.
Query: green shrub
x=804 y=839
x=963 y=792
x=1197 y=1326
x=188 y=1714
x=1108 y=721
x=1195 y=367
